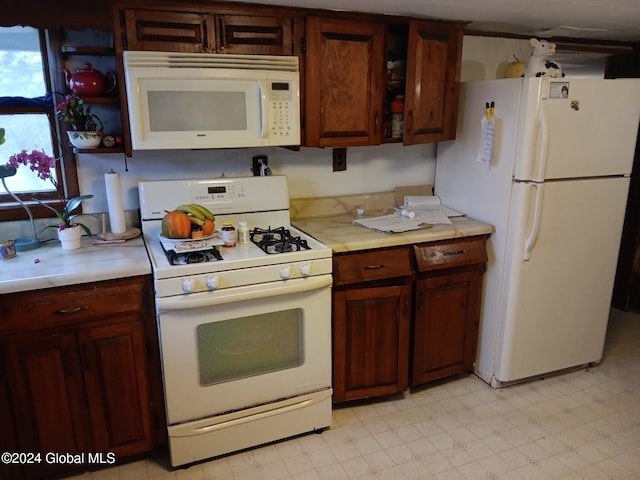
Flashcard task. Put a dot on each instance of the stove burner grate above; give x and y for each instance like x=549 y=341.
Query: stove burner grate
x=187 y=258
x=277 y=240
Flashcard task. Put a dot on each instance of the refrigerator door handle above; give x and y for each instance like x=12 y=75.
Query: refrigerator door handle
x=535 y=225
x=544 y=142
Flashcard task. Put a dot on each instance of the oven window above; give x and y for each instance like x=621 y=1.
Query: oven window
x=247 y=346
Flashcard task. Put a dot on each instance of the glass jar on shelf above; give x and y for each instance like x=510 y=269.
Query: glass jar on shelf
x=397 y=116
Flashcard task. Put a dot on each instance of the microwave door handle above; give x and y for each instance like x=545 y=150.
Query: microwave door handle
x=262 y=105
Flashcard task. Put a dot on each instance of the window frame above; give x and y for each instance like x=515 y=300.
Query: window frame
x=67 y=172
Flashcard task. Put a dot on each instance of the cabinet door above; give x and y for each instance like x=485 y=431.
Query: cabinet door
x=370 y=341
x=433 y=82
x=8 y=432
x=115 y=370
x=255 y=35
x=167 y=31
x=344 y=101
x=447 y=312
x=47 y=390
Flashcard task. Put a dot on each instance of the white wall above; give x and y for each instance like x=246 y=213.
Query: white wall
x=309 y=171
x=486 y=58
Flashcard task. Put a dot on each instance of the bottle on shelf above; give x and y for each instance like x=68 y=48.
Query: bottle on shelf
x=397 y=116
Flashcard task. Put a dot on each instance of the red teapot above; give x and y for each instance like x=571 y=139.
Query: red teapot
x=88 y=82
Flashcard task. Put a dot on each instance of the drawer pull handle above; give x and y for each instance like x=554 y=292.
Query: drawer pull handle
x=69 y=311
x=455 y=252
x=375 y=267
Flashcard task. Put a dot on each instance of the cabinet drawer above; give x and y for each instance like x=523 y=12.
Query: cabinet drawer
x=373 y=265
x=451 y=253
x=72 y=304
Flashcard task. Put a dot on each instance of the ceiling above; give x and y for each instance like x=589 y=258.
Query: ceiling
x=610 y=20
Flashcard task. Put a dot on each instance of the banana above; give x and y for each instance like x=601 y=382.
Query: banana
x=196 y=220
x=204 y=211
x=188 y=209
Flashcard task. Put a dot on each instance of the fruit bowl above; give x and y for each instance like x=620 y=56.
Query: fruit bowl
x=207 y=237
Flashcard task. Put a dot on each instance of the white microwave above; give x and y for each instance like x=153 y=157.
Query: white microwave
x=198 y=100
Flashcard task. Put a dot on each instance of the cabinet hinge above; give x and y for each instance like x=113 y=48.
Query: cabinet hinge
x=303 y=45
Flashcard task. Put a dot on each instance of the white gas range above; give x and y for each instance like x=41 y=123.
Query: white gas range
x=245 y=334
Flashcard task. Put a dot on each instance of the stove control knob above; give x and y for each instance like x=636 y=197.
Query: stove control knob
x=189 y=285
x=305 y=270
x=285 y=273
x=212 y=282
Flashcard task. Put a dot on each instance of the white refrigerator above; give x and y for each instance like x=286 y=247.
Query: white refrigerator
x=555 y=190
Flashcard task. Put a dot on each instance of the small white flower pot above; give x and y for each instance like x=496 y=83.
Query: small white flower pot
x=70 y=237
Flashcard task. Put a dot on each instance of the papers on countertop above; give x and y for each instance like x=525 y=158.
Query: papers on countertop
x=418 y=212
x=392 y=223
x=428 y=202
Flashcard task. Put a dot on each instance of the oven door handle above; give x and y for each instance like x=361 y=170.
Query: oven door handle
x=244 y=293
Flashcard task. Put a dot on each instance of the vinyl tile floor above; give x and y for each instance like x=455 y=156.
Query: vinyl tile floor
x=579 y=425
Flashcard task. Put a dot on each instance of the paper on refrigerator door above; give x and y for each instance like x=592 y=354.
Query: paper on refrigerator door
x=487 y=140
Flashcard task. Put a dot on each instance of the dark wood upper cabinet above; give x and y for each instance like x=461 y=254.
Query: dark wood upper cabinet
x=345 y=66
x=209 y=31
x=258 y=35
x=433 y=82
x=350 y=85
x=174 y=31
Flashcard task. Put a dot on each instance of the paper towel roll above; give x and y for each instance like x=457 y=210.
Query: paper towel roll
x=114 y=202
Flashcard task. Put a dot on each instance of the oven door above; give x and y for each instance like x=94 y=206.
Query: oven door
x=236 y=348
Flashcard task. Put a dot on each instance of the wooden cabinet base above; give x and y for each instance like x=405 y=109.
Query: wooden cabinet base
x=371 y=336
x=80 y=380
x=405 y=316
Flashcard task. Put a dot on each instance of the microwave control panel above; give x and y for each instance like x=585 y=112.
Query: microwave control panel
x=282 y=111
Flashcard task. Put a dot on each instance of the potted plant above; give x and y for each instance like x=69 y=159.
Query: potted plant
x=69 y=229
x=84 y=131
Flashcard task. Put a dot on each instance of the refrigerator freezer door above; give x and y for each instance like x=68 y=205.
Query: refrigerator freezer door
x=556 y=305
x=591 y=128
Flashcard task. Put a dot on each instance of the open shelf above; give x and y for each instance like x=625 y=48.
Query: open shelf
x=86 y=50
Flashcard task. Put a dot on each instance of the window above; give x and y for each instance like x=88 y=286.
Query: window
x=26 y=114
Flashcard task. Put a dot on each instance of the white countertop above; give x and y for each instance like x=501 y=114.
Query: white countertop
x=340 y=234
x=330 y=220
x=50 y=266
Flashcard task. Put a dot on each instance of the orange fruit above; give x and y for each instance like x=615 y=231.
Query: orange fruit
x=207 y=228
